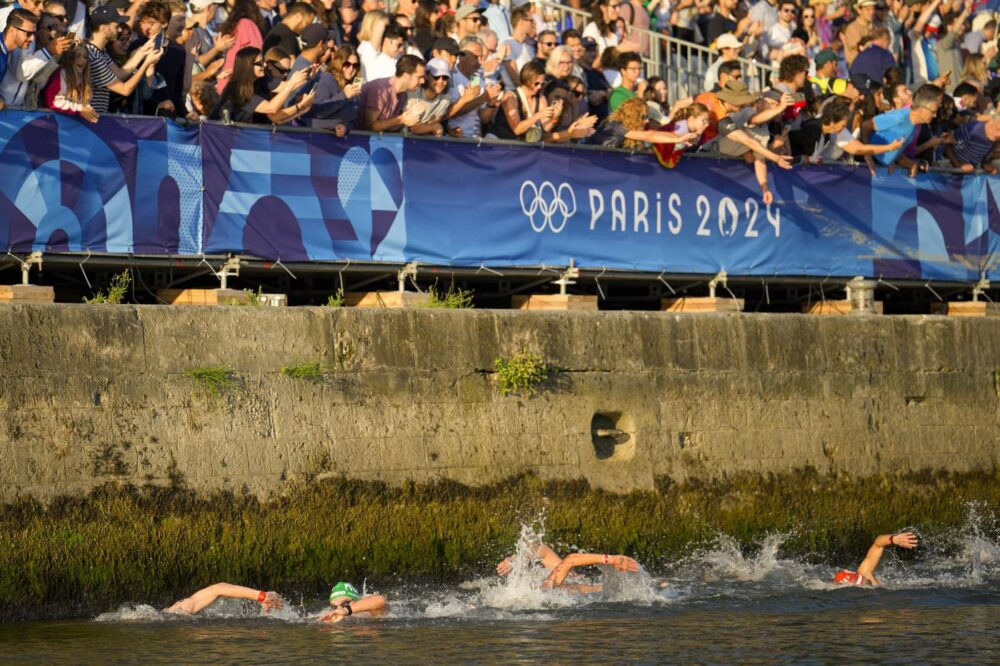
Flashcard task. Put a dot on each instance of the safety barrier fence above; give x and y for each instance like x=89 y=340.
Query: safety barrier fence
x=682 y=64
x=151 y=187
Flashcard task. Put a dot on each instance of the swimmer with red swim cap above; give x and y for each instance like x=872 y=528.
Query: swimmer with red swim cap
x=560 y=568
x=865 y=575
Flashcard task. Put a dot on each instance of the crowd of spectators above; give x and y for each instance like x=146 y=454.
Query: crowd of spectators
x=897 y=83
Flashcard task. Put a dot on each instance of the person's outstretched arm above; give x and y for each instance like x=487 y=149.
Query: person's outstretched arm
x=207 y=596
x=550 y=559
x=883 y=541
x=559 y=574
x=375 y=604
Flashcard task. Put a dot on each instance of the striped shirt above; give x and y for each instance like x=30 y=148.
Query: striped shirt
x=971 y=145
x=101 y=75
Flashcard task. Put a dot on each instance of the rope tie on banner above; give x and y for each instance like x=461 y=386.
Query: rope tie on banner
x=484 y=267
x=767 y=292
x=929 y=288
x=340 y=276
x=597 y=282
x=283 y=267
x=886 y=282
x=667 y=284
x=85 y=278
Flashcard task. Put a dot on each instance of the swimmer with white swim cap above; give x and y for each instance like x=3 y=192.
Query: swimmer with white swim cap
x=865 y=575
x=561 y=567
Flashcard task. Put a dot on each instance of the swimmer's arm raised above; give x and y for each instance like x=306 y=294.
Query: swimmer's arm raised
x=559 y=574
x=206 y=597
x=550 y=560
x=883 y=541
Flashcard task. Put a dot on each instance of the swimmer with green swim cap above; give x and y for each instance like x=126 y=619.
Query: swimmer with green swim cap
x=346 y=601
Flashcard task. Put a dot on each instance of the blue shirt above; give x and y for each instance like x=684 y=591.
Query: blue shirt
x=971 y=145
x=4 y=56
x=873 y=61
x=890 y=126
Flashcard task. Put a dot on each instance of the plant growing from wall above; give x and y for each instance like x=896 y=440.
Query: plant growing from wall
x=522 y=373
x=116 y=291
x=454 y=298
x=310 y=371
x=336 y=300
x=254 y=299
x=215 y=380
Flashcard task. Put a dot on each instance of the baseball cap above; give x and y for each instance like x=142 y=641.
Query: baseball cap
x=121 y=5
x=825 y=56
x=589 y=43
x=728 y=40
x=465 y=11
x=343 y=589
x=867 y=3
x=196 y=5
x=313 y=35
x=514 y=4
x=105 y=15
x=863 y=83
x=446 y=44
x=438 y=67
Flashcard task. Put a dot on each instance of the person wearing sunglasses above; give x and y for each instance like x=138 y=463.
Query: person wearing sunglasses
x=20 y=31
x=468 y=21
x=544 y=45
x=28 y=69
x=247 y=99
x=781 y=32
x=524 y=113
x=432 y=100
x=337 y=91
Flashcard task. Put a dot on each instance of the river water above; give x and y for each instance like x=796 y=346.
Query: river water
x=723 y=604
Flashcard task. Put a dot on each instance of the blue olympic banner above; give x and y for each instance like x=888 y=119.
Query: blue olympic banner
x=147 y=186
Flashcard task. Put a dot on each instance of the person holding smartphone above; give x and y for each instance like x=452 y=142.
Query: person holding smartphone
x=167 y=96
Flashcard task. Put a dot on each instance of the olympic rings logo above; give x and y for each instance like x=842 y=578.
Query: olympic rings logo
x=547 y=200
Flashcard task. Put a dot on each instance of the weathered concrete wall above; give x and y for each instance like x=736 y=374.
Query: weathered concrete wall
x=93 y=394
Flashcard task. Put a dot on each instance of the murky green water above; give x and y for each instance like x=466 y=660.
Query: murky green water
x=725 y=604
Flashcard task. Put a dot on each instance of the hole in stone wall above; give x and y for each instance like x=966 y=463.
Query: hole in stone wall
x=613 y=436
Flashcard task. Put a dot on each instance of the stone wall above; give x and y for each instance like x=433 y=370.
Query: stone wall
x=93 y=394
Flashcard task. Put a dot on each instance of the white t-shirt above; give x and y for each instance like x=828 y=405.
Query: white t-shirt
x=468 y=122
x=832 y=150
x=603 y=41
x=381 y=67
x=367 y=55
x=613 y=77
x=521 y=54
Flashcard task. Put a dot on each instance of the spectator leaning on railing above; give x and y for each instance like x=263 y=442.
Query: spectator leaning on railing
x=382 y=107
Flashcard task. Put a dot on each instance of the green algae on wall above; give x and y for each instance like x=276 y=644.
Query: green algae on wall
x=151 y=545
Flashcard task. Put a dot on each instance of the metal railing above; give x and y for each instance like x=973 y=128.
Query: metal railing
x=680 y=63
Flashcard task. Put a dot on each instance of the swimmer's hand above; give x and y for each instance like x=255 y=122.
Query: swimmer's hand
x=272 y=601
x=505 y=566
x=336 y=615
x=623 y=563
x=905 y=540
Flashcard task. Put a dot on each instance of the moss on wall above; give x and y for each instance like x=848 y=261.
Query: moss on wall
x=154 y=544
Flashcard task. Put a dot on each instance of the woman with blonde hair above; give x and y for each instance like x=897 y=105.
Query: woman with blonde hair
x=626 y=128
x=68 y=91
x=373 y=27
x=974 y=71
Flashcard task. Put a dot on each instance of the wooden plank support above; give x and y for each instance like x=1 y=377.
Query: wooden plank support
x=26 y=293
x=695 y=305
x=559 y=302
x=834 y=308
x=967 y=309
x=386 y=299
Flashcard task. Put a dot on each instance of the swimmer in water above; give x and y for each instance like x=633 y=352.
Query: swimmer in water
x=344 y=598
x=560 y=567
x=346 y=601
x=865 y=575
x=206 y=597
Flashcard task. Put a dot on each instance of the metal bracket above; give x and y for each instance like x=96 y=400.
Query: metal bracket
x=407 y=271
x=980 y=288
x=722 y=278
x=230 y=268
x=568 y=277
x=34 y=259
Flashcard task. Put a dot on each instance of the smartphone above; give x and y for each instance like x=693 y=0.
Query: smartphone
x=475 y=81
x=71 y=36
x=158 y=42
